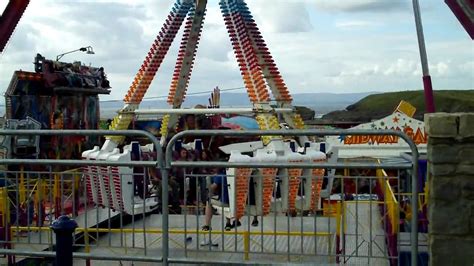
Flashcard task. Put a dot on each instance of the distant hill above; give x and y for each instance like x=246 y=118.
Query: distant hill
x=376 y=106
x=321 y=103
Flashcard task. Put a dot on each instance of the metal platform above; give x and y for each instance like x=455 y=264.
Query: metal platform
x=42 y=239
x=277 y=239
x=364 y=239
x=298 y=247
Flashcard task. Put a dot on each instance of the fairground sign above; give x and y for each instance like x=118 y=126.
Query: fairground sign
x=381 y=146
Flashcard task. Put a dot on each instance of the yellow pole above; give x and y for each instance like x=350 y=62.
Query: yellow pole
x=77 y=180
x=22 y=185
x=56 y=194
x=338 y=219
x=56 y=186
x=246 y=237
x=4 y=206
x=346 y=172
x=87 y=247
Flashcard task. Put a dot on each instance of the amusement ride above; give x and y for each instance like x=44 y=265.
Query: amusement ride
x=112 y=186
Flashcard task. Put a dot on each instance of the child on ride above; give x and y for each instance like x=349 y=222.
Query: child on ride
x=218 y=189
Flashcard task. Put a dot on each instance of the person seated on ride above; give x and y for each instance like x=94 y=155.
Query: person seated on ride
x=252 y=197
x=180 y=173
x=173 y=191
x=99 y=75
x=104 y=81
x=70 y=75
x=87 y=79
x=217 y=190
x=202 y=172
x=196 y=192
x=188 y=122
x=50 y=76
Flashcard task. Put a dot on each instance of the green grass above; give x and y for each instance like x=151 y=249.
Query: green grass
x=379 y=105
x=445 y=101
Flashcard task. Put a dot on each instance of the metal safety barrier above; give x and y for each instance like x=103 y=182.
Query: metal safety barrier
x=36 y=193
x=383 y=208
x=364 y=227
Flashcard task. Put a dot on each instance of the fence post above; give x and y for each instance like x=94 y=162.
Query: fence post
x=63 y=227
x=165 y=210
x=246 y=237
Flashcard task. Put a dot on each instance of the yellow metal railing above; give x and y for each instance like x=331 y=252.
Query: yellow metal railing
x=38 y=190
x=245 y=234
x=4 y=205
x=173 y=231
x=390 y=201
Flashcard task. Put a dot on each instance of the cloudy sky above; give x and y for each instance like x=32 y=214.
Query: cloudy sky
x=319 y=45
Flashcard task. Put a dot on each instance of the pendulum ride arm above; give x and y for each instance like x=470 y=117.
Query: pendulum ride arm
x=147 y=71
x=9 y=19
x=263 y=59
x=270 y=70
x=250 y=69
x=184 y=66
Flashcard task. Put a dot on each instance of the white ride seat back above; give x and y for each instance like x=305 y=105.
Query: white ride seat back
x=290 y=179
x=105 y=179
x=264 y=182
x=313 y=179
x=91 y=175
x=121 y=185
x=238 y=185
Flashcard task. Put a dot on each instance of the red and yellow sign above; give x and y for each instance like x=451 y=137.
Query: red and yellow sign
x=418 y=137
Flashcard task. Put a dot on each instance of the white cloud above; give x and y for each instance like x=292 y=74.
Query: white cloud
x=441 y=69
x=315 y=51
x=467 y=68
x=361 y=70
x=362 y=5
x=401 y=67
x=281 y=16
x=352 y=24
